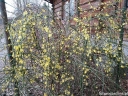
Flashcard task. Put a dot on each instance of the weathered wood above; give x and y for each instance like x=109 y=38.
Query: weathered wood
x=58 y=5
x=59 y=9
x=88 y=6
x=86 y=1
x=57 y=2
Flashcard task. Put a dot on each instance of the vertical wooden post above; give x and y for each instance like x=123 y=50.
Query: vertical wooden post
x=53 y=11
x=62 y=10
x=78 y=8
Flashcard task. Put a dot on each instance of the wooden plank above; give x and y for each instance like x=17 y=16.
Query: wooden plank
x=57 y=2
x=58 y=5
x=126 y=34
x=89 y=13
x=85 y=5
x=86 y=1
x=88 y=6
x=58 y=9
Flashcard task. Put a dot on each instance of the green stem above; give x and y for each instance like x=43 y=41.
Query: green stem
x=121 y=42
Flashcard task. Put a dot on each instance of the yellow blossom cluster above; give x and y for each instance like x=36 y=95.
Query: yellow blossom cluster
x=64 y=62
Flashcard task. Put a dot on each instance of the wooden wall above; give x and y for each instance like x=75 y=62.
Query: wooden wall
x=88 y=8
x=58 y=9
x=84 y=5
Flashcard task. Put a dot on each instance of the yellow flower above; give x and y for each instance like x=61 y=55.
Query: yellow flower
x=75 y=19
x=25 y=13
x=122 y=66
x=86 y=70
x=119 y=48
x=16 y=47
x=46 y=64
x=58 y=66
x=21 y=61
x=97 y=64
x=45 y=94
x=67 y=92
x=31 y=81
x=46 y=29
x=100 y=59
